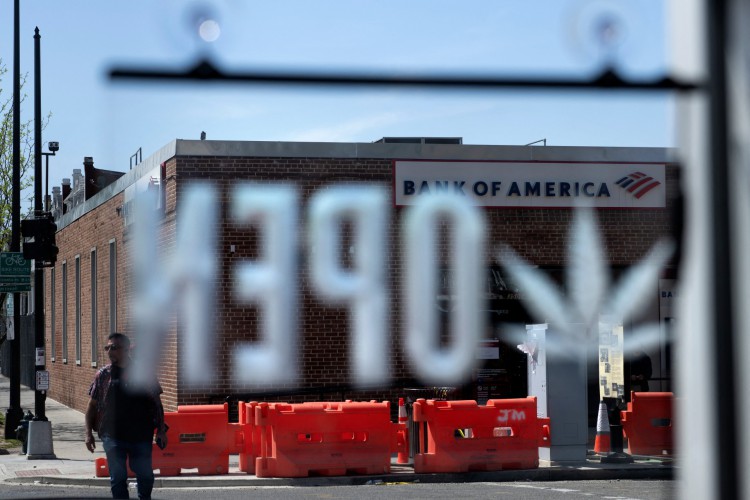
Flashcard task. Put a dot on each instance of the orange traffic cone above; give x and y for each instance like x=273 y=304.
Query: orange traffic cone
x=602 y=444
x=403 y=453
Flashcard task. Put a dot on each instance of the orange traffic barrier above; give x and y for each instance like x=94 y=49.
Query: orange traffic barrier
x=199 y=437
x=102 y=468
x=403 y=435
x=325 y=439
x=463 y=437
x=647 y=423
x=251 y=437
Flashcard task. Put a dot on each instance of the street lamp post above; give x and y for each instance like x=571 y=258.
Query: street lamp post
x=38 y=276
x=39 y=440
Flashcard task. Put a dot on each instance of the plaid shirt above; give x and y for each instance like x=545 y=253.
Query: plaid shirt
x=100 y=388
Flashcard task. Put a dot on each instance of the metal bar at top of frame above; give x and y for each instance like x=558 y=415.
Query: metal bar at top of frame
x=204 y=70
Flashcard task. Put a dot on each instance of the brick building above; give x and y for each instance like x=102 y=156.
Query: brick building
x=88 y=291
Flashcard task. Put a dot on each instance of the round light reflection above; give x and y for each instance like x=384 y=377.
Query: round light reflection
x=209 y=30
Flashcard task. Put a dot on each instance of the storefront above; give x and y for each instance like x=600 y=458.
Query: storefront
x=527 y=195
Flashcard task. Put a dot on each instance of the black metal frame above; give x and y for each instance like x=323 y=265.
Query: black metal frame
x=724 y=373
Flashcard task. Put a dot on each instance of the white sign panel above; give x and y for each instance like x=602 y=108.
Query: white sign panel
x=667 y=298
x=611 y=361
x=42 y=380
x=10 y=331
x=40 y=360
x=534 y=184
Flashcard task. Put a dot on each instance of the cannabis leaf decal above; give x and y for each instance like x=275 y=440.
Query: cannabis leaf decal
x=590 y=303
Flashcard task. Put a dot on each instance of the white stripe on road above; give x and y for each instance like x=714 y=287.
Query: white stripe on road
x=562 y=490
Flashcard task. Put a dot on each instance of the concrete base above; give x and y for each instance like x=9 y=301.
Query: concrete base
x=617 y=458
x=39 y=441
x=563 y=454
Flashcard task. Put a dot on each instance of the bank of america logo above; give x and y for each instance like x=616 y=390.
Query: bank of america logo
x=638 y=184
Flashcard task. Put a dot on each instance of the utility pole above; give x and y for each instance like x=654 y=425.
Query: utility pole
x=15 y=413
x=39 y=444
x=39 y=396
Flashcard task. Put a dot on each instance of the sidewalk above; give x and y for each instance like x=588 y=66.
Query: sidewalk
x=74 y=465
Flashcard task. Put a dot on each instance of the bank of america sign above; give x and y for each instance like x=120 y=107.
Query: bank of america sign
x=534 y=184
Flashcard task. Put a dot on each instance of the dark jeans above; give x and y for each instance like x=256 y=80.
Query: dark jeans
x=138 y=456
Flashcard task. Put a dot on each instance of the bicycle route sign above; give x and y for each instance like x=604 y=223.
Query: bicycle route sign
x=15 y=272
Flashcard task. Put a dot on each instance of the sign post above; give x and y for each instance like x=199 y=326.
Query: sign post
x=14 y=413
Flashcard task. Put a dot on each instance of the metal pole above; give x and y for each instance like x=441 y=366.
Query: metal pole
x=47 y=199
x=39 y=396
x=723 y=307
x=15 y=413
x=46 y=182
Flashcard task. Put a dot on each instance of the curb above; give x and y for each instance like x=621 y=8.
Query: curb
x=663 y=472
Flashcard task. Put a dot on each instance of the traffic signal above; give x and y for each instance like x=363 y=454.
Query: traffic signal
x=43 y=249
x=30 y=229
x=49 y=249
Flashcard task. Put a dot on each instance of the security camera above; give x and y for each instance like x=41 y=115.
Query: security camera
x=54 y=146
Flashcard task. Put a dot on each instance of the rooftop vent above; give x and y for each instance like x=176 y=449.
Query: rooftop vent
x=420 y=140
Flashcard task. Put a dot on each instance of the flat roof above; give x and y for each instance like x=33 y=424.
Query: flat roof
x=369 y=150
x=182 y=147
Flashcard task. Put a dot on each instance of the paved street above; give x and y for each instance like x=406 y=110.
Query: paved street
x=559 y=490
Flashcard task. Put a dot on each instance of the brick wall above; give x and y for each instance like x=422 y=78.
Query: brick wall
x=69 y=380
x=541 y=236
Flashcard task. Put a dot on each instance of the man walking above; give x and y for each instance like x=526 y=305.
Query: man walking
x=125 y=418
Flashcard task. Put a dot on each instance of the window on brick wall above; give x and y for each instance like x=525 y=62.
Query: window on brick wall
x=52 y=338
x=112 y=286
x=65 y=311
x=94 y=331
x=78 y=309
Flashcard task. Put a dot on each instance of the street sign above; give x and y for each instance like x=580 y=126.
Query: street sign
x=14 y=280
x=15 y=273
x=13 y=264
x=40 y=358
x=42 y=380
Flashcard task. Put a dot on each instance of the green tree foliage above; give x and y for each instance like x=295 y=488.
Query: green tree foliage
x=6 y=155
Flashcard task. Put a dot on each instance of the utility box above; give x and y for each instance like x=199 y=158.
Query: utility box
x=559 y=382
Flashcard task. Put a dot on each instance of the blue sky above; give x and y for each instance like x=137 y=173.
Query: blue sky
x=92 y=116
